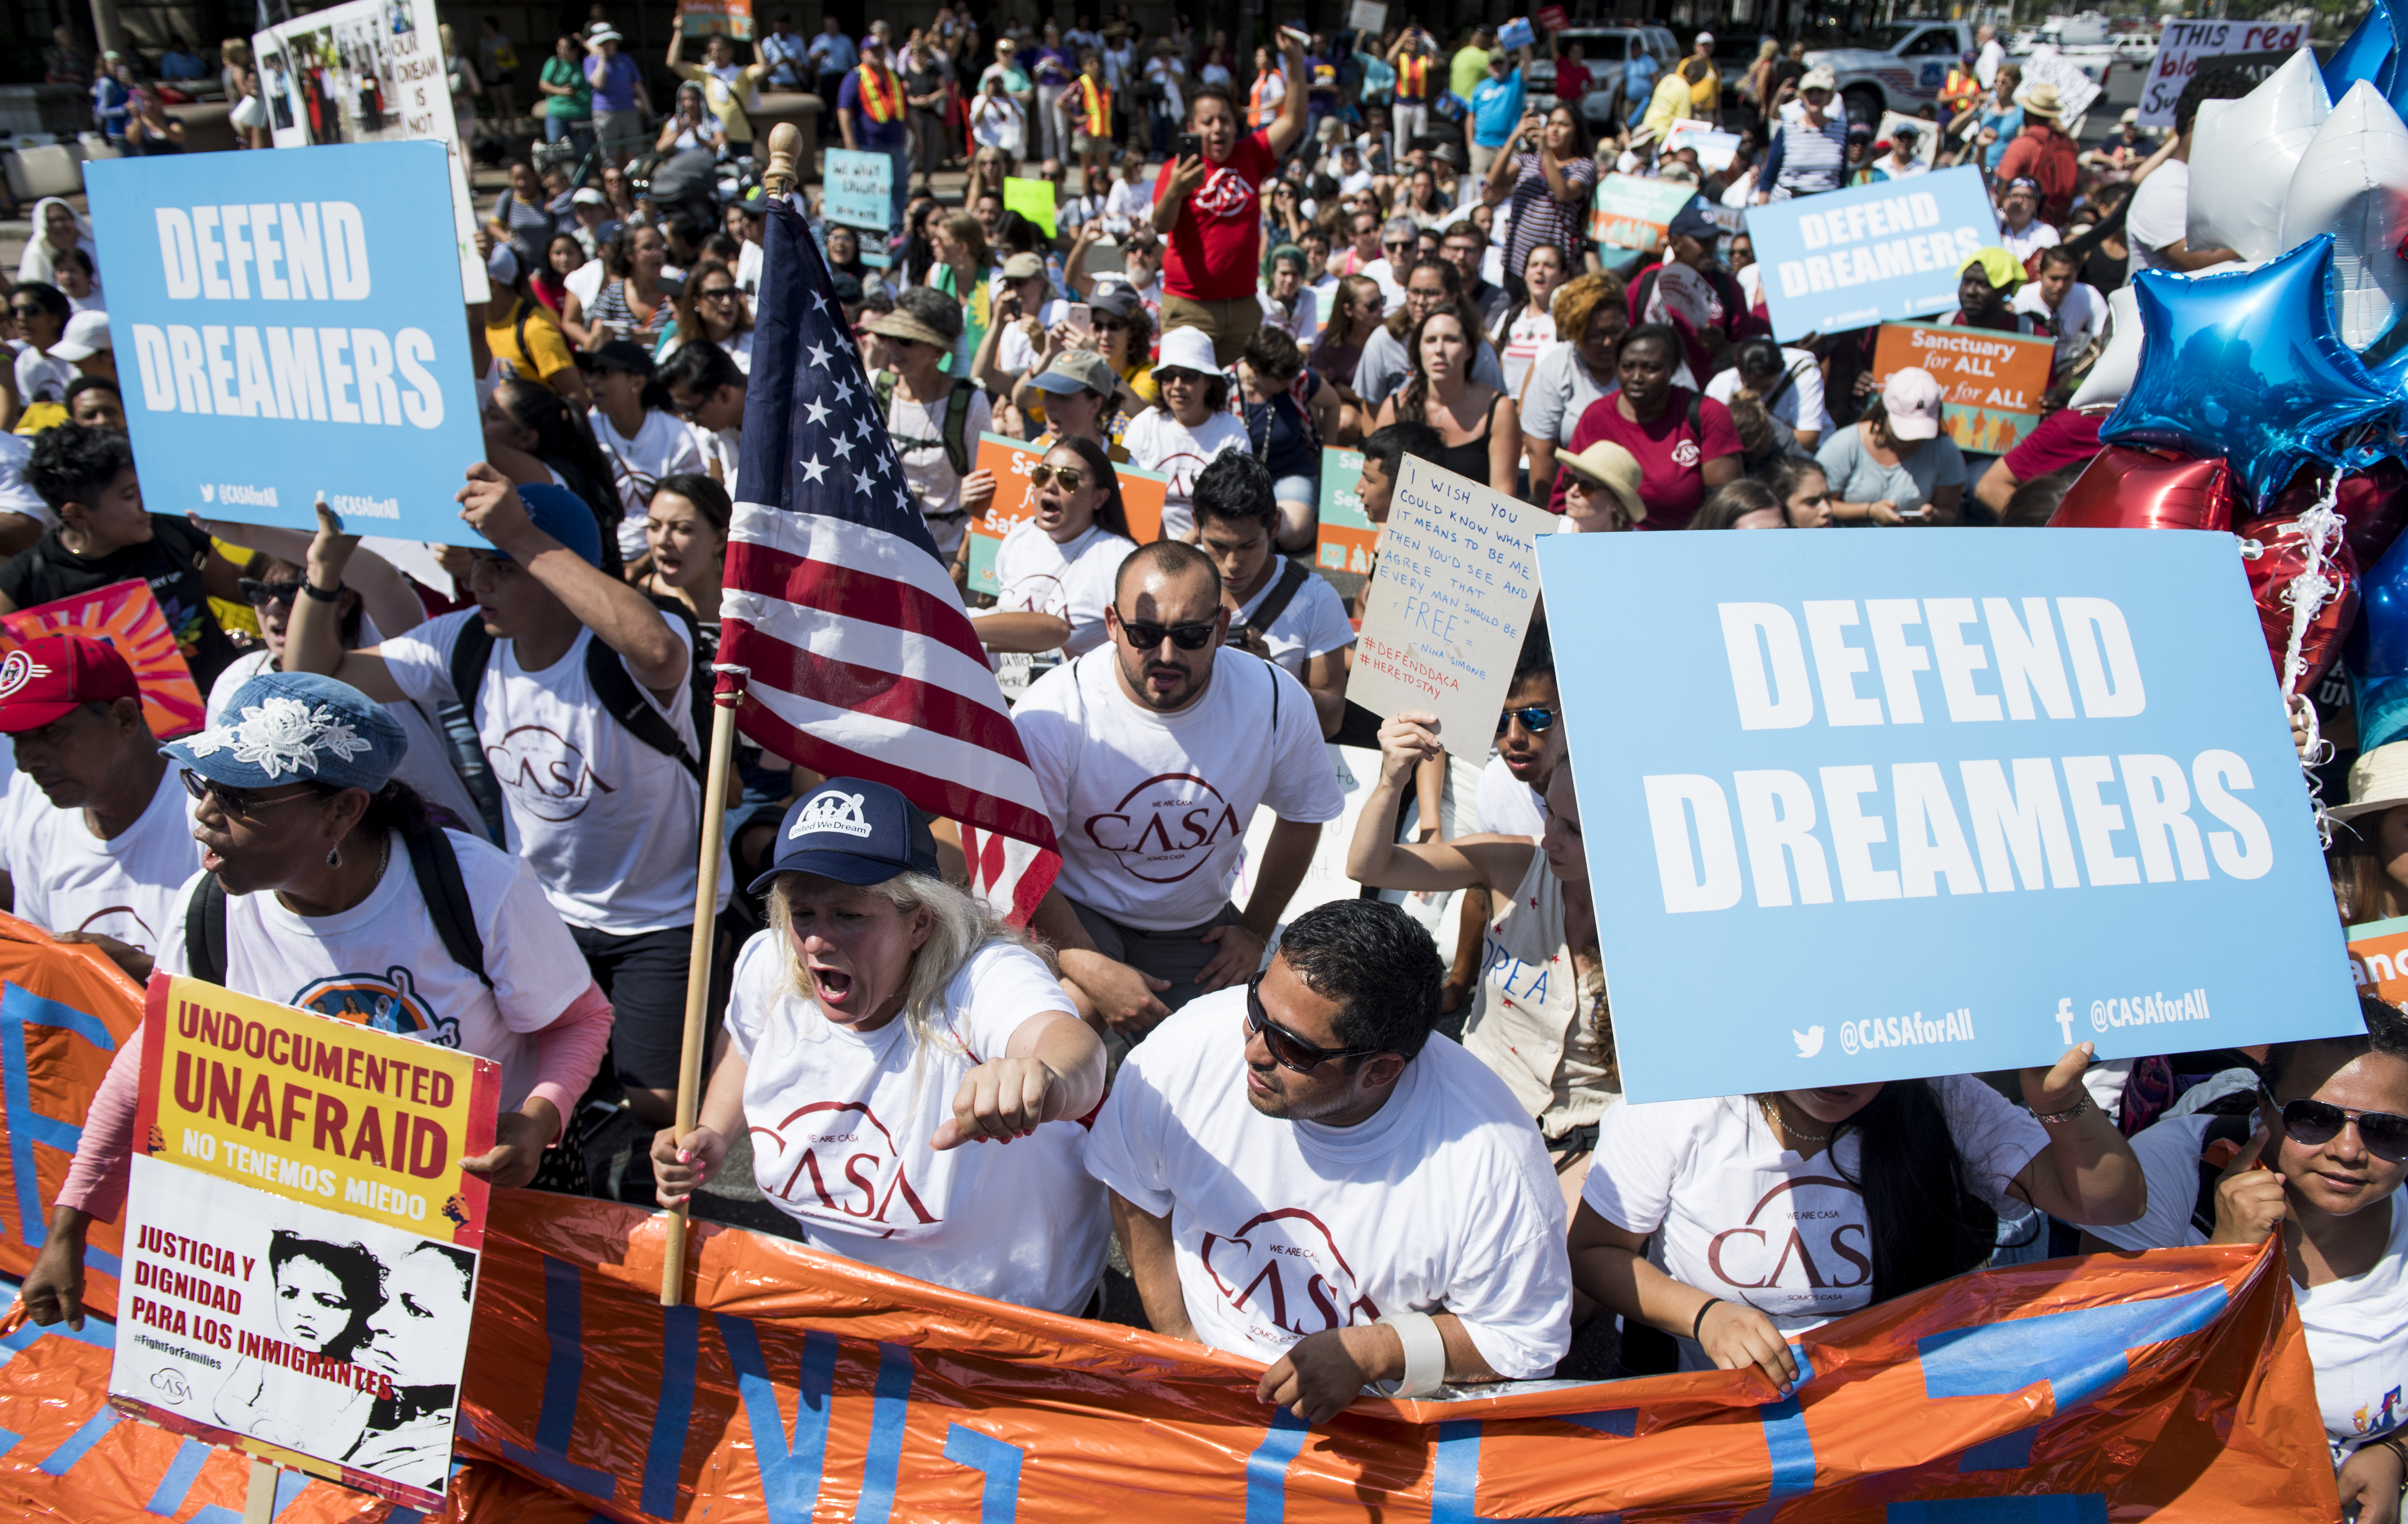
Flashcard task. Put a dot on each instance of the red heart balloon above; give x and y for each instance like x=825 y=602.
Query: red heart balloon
x=2125 y=487
x=2372 y=503
x=2283 y=555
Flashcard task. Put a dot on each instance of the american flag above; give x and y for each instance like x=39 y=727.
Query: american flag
x=864 y=664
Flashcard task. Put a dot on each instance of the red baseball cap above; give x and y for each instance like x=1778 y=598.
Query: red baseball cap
x=47 y=677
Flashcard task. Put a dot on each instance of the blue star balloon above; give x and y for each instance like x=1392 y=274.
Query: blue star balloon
x=2249 y=367
x=2366 y=55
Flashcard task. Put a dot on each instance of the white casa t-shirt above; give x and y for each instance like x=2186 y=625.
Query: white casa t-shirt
x=1313 y=624
x=425 y=766
x=1151 y=809
x=606 y=823
x=1441 y=1202
x=67 y=879
x=1735 y=1215
x=383 y=963
x=840 y=1123
x=1072 y=581
x=1506 y=805
x=2356 y=1329
x=663 y=444
x=1157 y=441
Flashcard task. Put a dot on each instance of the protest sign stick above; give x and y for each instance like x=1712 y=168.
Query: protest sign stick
x=723 y=699
x=259 y=1502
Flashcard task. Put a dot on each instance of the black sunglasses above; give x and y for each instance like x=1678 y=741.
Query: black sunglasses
x=259 y=594
x=234 y=801
x=1106 y=326
x=1535 y=718
x=1288 y=1050
x=1148 y=637
x=2316 y=1123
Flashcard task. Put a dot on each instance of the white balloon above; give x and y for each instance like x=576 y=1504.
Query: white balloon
x=2111 y=375
x=2353 y=184
x=2243 y=153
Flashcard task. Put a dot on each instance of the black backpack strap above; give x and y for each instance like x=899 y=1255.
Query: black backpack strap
x=471 y=649
x=205 y=937
x=1282 y=593
x=615 y=686
x=435 y=864
x=1697 y=418
x=956 y=427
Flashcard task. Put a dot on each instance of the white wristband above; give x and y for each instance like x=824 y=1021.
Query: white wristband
x=1425 y=1354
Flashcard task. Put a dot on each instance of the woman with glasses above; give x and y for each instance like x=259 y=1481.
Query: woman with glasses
x=634 y=303
x=2317 y=1150
x=41 y=312
x=711 y=305
x=316 y=864
x=881 y=991
x=1541 y=1021
x=1056 y=566
x=374 y=600
x=1190 y=426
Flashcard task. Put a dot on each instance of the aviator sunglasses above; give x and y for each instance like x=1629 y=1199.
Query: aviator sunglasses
x=1536 y=718
x=2316 y=1123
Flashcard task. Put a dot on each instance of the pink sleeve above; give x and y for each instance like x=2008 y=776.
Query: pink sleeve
x=566 y=1054
x=95 y=1182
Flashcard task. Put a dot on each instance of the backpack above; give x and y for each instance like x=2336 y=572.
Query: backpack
x=620 y=697
x=955 y=428
x=434 y=862
x=1267 y=613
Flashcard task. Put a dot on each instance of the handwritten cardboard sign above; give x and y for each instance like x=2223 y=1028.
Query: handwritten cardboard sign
x=856 y=189
x=125 y=615
x=301 y=1240
x=1443 y=623
x=1009 y=459
x=1993 y=381
x=2185 y=47
x=2075 y=89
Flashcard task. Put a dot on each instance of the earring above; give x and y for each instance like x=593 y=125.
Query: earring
x=334 y=856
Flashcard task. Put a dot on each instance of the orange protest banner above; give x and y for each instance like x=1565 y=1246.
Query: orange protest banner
x=1009 y=459
x=128 y=617
x=797 y=1385
x=64 y=1012
x=1993 y=382
x=300 y=1235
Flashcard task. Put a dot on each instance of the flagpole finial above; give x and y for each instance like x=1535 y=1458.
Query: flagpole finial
x=785 y=146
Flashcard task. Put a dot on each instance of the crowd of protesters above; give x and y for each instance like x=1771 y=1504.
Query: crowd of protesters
x=1349 y=242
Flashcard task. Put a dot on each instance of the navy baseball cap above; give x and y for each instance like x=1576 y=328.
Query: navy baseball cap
x=1693 y=220
x=565 y=516
x=297 y=727
x=855 y=832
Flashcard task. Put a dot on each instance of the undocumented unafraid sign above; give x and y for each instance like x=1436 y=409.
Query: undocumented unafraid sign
x=1443 y=621
x=1955 y=805
x=290 y=324
x=1872 y=253
x=301 y=1241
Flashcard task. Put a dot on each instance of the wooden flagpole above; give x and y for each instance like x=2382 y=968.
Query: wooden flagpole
x=784 y=144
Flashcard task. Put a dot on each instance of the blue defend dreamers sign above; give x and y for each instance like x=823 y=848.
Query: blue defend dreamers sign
x=290 y=323
x=1875 y=253
x=1869 y=807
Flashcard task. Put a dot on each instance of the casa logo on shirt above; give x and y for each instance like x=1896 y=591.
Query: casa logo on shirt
x=1805 y=1235
x=122 y=922
x=1282 y=1269
x=385 y=1003
x=1166 y=827
x=840 y=1160
x=1687 y=454
x=1225 y=193
x=546 y=774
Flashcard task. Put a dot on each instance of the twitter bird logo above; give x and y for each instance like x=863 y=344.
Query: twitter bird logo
x=1809 y=1041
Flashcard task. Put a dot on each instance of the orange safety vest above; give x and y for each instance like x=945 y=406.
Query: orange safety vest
x=1256 y=113
x=1412 y=77
x=1094 y=107
x=1963 y=86
x=882 y=98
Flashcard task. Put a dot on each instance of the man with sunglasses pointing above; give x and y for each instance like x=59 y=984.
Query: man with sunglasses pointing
x=1154 y=754
x=1303 y=1172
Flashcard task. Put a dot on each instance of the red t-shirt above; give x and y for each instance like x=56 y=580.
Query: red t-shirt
x=1672 y=455
x=1571 y=81
x=1214 y=252
x=2068 y=436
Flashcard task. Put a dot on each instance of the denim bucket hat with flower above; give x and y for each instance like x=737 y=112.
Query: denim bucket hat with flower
x=297 y=727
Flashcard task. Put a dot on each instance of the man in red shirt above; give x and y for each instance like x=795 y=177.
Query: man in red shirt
x=2043 y=154
x=2065 y=438
x=1209 y=212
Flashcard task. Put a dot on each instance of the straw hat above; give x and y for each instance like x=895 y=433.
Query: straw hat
x=2042 y=101
x=2377 y=780
x=1608 y=464
x=900 y=323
